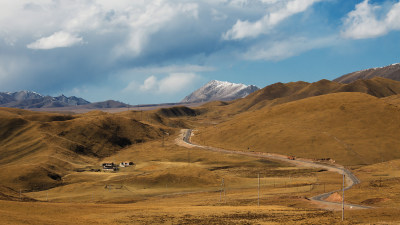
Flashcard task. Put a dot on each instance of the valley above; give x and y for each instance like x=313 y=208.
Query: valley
x=187 y=112
x=261 y=159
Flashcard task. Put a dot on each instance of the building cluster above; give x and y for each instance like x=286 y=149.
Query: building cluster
x=112 y=167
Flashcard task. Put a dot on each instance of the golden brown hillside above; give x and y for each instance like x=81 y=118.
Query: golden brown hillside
x=178 y=111
x=38 y=149
x=394 y=100
x=280 y=93
x=351 y=128
x=51 y=158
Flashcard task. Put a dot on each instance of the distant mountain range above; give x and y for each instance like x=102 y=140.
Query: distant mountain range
x=390 y=72
x=30 y=99
x=219 y=91
x=227 y=91
x=106 y=105
x=280 y=93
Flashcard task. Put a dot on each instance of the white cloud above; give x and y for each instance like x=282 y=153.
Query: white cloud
x=168 y=85
x=156 y=43
x=59 y=39
x=188 y=68
x=7 y=38
x=217 y=15
x=363 y=21
x=247 y=3
x=84 y=18
x=176 y=82
x=279 y=50
x=149 y=84
x=133 y=21
x=247 y=29
x=146 y=21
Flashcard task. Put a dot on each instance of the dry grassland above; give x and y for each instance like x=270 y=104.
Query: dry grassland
x=51 y=158
x=380 y=187
x=352 y=128
x=174 y=185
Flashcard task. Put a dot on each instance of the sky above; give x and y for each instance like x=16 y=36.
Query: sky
x=159 y=51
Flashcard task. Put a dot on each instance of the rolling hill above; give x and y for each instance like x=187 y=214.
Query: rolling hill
x=280 y=93
x=394 y=100
x=38 y=149
x=351 y=128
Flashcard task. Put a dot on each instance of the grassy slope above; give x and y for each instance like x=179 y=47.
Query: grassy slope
x=349 y=127
x=380 y=186
x=280 y=93
x=165 y=171
x=352 y=128
x=38 y=149
x=394 y=100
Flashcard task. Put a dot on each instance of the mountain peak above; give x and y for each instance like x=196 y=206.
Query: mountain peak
x=220 y=90
x=31 y=99
x=391 y=72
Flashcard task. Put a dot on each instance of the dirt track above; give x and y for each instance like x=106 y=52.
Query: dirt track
x=351 y=179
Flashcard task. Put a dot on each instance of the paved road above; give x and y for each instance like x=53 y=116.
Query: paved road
x=351 y=179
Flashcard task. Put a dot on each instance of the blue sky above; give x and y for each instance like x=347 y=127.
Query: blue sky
x=156 y=51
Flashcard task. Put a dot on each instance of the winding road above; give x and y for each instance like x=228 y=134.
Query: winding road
x=351 y=179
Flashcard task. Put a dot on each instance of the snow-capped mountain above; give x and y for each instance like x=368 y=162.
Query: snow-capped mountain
x=390 y=72
x=30 y=99
x=220 y=90
x=25 y=95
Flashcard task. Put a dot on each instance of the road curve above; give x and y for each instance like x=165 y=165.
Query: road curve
x=351 y=179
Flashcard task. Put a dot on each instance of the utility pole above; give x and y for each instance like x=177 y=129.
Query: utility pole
x=258 y=203
x=224 y=193
x=343 y=198
x=222 y=189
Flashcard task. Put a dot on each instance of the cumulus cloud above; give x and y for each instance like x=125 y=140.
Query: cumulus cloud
x=149 y=20
x=59 y=39
x=168 y=85
x=365 y=21
x=152 y=46
x=176 y=82
x=149 y=84
x=247 y=29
